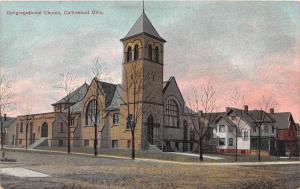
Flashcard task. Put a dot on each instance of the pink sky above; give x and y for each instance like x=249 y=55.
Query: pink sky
x=250 y=46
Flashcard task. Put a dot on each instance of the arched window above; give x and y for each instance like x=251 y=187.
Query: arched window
x=91 y=112
x=156 y=54
x=150 y=52
x=128 y=54
x=171 y=114
x=136 y=52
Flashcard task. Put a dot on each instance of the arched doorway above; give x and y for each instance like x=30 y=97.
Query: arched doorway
x=150 y=129
x=44 y=130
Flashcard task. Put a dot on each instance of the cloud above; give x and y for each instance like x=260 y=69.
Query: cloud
x=253 y=46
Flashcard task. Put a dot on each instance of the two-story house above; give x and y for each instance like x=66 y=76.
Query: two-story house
x=241 y=130
x=286 y=133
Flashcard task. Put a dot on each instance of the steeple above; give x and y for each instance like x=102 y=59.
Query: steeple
x=143 y=26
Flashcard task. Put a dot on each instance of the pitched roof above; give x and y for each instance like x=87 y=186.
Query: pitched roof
x=226 y=119
x=282 y=119
x=167 y=83
x=76 y=108
x=108 y=90
x=243 y=114
x=116 y=100
x=8 y=122
x=252 y=116
x=143 y=26
x=215 y=115
x=258 y=115
x=75 y=96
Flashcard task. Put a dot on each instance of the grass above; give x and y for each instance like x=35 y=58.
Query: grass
x=127 y=153
x=169 y=156
x=82 y=172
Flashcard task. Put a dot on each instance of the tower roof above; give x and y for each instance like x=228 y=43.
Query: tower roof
x=143 y=26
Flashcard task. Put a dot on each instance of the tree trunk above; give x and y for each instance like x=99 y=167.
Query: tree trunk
x=2 y=138
x=95 y=141
x=259 y=142
x=69 y=130
x=26 y=136
x=133 y=145
x=236 y=144
x=276 y=148
x=200 y=151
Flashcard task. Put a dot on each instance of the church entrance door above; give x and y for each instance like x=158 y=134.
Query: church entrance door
x=44 y=129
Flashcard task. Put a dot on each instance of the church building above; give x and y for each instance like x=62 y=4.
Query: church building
x=155 y=106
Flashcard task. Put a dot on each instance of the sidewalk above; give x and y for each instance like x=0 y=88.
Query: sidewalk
x=196 y=155
x=163 y=161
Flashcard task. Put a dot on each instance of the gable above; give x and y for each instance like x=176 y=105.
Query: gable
x=171 y=90
x=171 y=87
x=106 y=92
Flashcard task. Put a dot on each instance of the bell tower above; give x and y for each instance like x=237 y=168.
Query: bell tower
x=142 y=80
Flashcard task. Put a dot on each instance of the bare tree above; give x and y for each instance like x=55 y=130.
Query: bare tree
x=68 y=85
x=6 y=95
x=264 y=103
x=202 y=105
x=236 y=100
x=98 y=72
x=27 y=120
x=131 y=95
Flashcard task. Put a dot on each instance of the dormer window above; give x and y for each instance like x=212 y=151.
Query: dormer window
x=136 y=52
x=128 y=54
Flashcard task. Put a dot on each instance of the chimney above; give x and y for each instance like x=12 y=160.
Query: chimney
x=201 y=113
x=227 y=109
x=4 y=117
x=246 y=108
x=271 y=110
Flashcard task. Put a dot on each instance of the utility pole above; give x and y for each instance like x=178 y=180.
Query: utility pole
x=26 y=131
x=2 y=135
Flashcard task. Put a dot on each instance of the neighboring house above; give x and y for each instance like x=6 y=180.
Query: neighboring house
x=208 y=145
x=7 y=135
x=163 y=120
x=247 y=136
x=286 y=133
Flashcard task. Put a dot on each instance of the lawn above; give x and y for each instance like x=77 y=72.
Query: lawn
x=170 y=156
x=127 y=153
x=88 y=172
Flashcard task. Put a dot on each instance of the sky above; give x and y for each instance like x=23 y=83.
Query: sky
x=252 y=47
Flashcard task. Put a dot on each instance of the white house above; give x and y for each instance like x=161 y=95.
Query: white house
x=241 y=127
